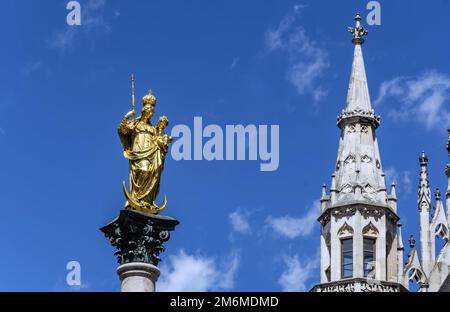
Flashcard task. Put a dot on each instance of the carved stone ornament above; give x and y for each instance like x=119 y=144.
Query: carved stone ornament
x=359 y=285
x=378 y=164
x=346 y=189
x=345 y=230
x=344 y=212
x=325 y=218
x=370 y=230
x=366 y=159
x=367 y=212
x=358 y=115
x=350 y=159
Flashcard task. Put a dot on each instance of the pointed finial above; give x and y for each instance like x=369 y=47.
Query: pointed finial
x=333 y=182
x=423 y=159
x=448 y=142
x=393 y=192
x=447 y=168
x=412 y=241
x=324 y=190
x=324 y=199
x=358 y=31
x=437 y=194
x=399 y=237
x=333 y=188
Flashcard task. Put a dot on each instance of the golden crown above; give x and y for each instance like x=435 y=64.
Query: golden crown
x=149 y=99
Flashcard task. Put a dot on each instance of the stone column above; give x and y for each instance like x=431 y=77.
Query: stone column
x=138 y=238
x=335 y=258
x=380 y=252
x=358 y=246
x=138 y=277
x=324 y=255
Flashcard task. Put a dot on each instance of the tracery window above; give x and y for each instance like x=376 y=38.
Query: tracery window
x=347 y=257
x=369 y=256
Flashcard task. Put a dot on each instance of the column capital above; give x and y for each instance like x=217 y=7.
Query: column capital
x=139 y=237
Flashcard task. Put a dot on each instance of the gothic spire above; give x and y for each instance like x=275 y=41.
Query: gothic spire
x=414 y=266
x=439 y=225
x=424 y=204
x=358 y=100
x=424 y=195
x=358 y=205
x=400 y=250
x=447 y=173
x=392 y=198
x=358 y=175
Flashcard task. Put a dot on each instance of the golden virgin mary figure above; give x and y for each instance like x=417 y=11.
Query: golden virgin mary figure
x=145 y=146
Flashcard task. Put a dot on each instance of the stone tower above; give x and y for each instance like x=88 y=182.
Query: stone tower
x=361 y=246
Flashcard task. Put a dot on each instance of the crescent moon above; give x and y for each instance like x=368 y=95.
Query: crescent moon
x=136 y=205
x=131 y=201
x=163 y=206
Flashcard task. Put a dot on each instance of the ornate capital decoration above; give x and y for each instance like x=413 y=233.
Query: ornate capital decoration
x=344 y=212
x=351 y=208
x=325 y=218
x=358 y=115
x=372 y=212
x=139 y=237
x=359 y=285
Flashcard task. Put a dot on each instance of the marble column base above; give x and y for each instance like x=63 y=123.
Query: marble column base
x=138 y=277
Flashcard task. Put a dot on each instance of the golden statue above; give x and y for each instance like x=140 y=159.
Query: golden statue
x=145 y=146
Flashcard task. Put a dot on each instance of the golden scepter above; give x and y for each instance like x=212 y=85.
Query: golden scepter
x=132 y=93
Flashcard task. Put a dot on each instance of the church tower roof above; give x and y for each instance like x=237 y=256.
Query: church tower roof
x=358 y=174
x=358 y=104
x=359 y=245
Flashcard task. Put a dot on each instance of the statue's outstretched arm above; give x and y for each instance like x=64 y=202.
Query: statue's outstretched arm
x=123 y=126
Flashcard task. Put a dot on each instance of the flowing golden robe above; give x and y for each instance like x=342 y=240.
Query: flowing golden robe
x=145 y=152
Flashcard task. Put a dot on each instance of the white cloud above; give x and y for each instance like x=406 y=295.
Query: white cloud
x=239 y=221
x=91 y=18
x=292 y=227
x=307 y=60
x=422 y=98
x=185 y=272
x=402 y=179
x=228 y=275
x=297 y=274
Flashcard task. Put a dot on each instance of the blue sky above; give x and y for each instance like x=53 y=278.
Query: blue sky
x=64 y=90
